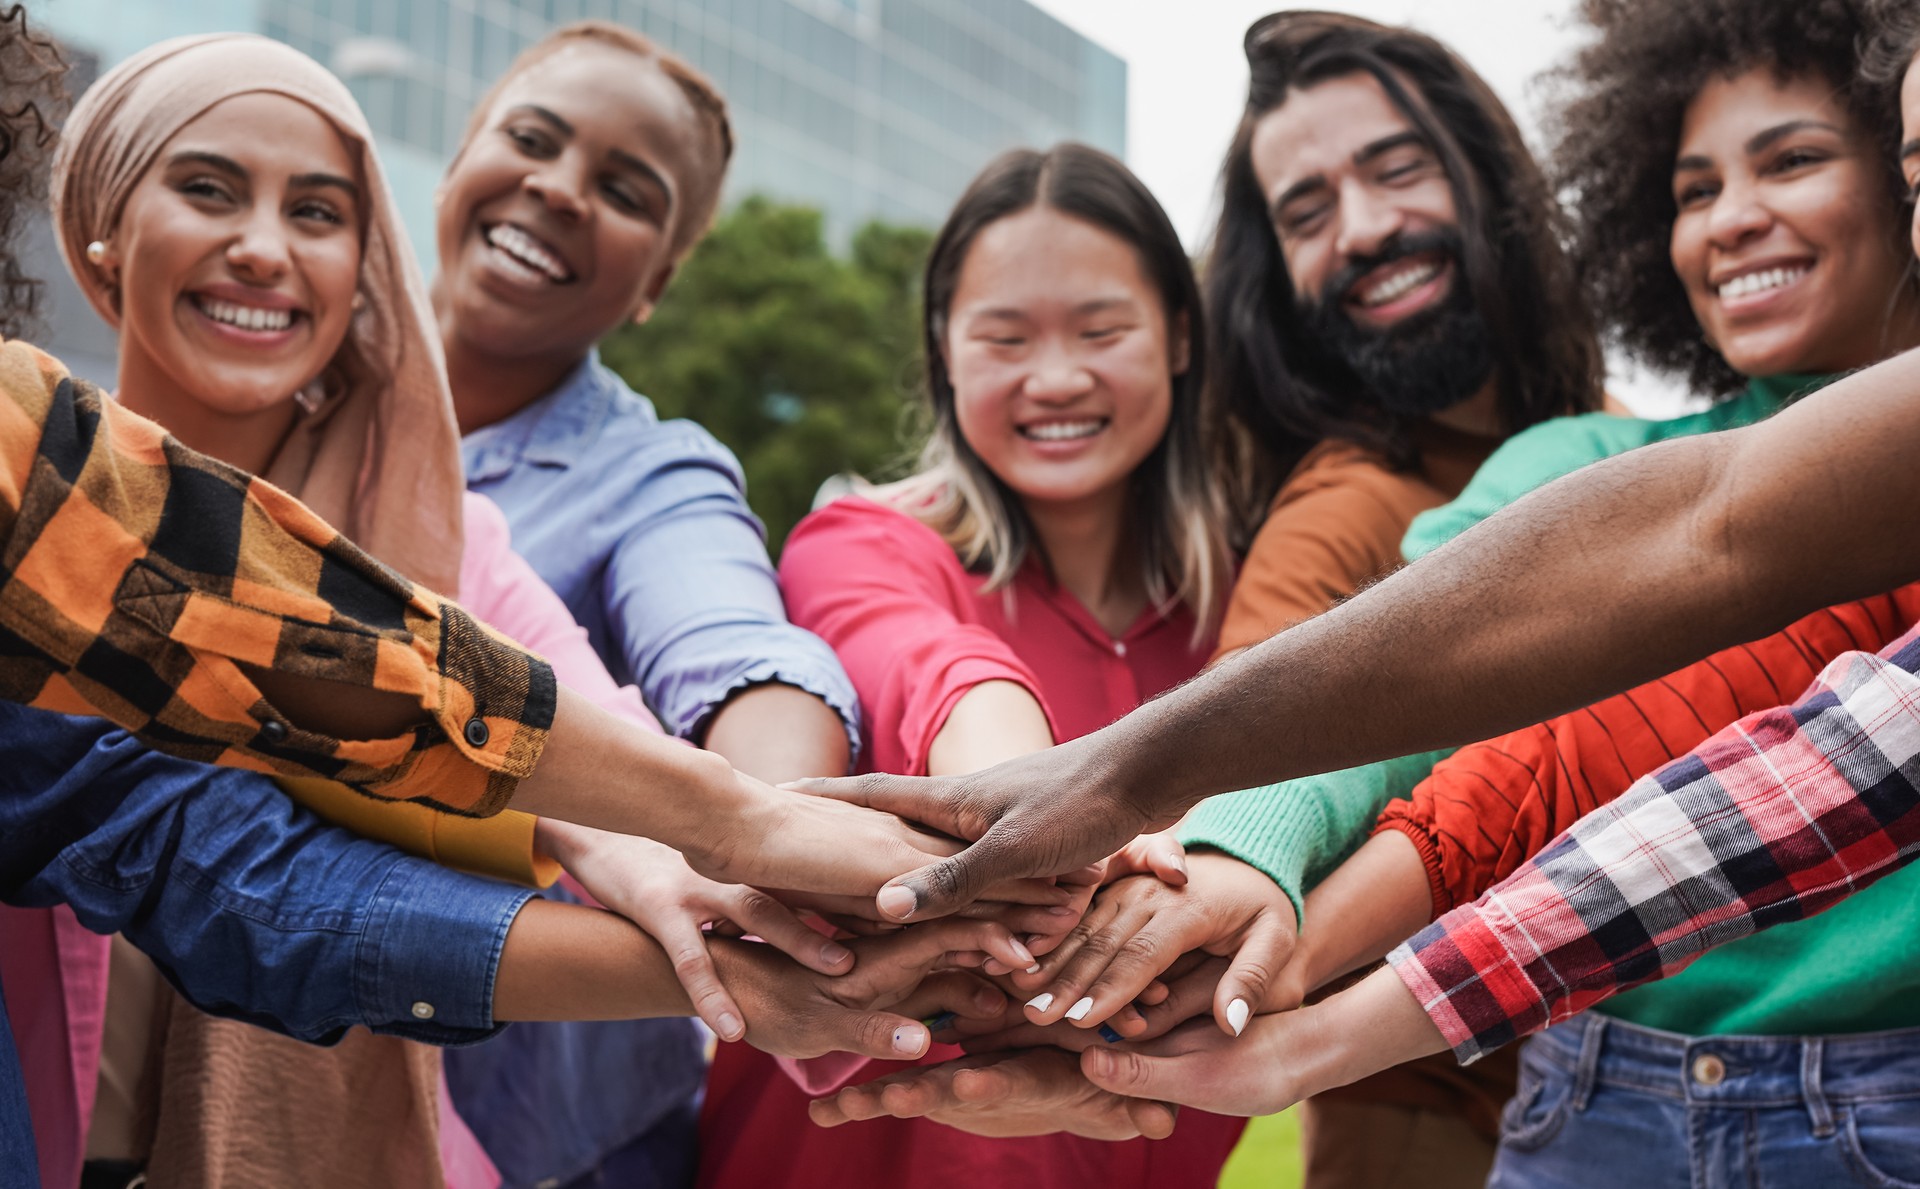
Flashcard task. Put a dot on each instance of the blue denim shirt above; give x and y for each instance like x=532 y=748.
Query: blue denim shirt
x=642 y=526
x=251 y=906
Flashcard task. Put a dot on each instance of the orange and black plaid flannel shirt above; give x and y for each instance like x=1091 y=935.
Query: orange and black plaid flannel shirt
x=136 y=576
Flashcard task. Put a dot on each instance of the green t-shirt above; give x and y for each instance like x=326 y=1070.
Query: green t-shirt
x=1847 y=970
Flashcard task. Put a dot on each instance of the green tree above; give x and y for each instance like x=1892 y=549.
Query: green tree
x=803 y=362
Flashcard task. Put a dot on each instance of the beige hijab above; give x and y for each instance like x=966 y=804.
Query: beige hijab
x=379 y=457
x=235 y=1106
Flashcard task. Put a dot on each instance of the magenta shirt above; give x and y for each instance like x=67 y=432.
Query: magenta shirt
x=914 y=632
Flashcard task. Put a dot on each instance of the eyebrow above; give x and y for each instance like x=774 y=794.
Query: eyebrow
x=1366 y=153
x=1759 y=142
x=624 y=159
x=229 y=166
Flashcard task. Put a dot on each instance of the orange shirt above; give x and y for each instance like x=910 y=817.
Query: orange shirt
x=1336 y=525
x=137 y=577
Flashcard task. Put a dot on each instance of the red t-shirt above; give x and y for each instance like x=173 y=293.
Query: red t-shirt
x=915 y=633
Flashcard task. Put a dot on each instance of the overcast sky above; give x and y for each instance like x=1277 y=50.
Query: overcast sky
x=1187 y=80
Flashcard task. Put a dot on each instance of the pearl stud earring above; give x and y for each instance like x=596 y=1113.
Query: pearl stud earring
x=97 y=252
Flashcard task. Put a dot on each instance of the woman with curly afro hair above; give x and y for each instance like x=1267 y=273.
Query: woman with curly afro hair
x=1739 y=223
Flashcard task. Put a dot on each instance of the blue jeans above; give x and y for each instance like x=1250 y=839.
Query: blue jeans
x=1603 y=1102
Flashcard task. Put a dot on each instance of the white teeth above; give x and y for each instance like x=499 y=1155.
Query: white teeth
x=526 y=250
x=1399 y=283
x=245 y=317
x=1748 y=284
x=1062 y=431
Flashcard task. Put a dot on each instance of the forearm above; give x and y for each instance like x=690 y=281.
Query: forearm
x=1371 y=903
x=778 y=733
x=993 y=721
x=1371 y=1026
x=602 y=771
x=570 y=962
x=1696 y=544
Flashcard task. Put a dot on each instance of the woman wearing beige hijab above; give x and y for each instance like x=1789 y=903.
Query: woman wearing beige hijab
x=219 y=202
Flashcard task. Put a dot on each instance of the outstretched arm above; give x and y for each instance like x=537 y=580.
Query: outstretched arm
x=1674 y=550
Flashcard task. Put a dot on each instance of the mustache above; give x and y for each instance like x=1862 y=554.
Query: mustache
x=1440 y=239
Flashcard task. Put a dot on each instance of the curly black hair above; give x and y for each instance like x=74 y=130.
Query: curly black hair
x=1894 y=44
x=32 y=99
x=1618 y=131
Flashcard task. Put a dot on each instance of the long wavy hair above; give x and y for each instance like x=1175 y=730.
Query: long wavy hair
x=1548 y=361
x=33 y=100
x=1618 y=131
x=1178 y=514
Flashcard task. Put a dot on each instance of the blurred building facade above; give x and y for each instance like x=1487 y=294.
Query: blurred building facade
x=863 y=108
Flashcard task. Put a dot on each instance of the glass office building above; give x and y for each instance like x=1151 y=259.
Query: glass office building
x=864 y=108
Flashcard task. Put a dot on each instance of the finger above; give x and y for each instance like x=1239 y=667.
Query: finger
x=693 y=966
x=1189 y=996
x=1030 y=1036
x=957 y=996
x=1137 y=1075
x=871 y=1100
x=1155 y=992
x=882 y=1035
x=778 y=926
x=1111 y=966
x=943 y=886
x=1154 y=1120
x=1028 y=891
x=1060 y=951
x=1251 y=971
x=1159 y=855
x=925 y=946
x=918 y=798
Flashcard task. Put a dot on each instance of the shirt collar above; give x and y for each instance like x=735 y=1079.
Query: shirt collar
x=552 y=431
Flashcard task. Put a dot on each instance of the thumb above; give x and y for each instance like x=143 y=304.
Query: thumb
x=1243 y=988
x=950 y=884
x=882 y=1035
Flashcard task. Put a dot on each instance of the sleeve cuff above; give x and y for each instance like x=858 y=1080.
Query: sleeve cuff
x=829 y=685
x=427 y=958
x=1265 y=828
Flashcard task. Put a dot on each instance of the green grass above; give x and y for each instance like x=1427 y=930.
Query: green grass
x=1268 y=1155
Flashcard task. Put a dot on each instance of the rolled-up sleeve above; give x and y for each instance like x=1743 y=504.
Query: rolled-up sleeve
x=250 y=905
x=137 y=578
x=692 y=601
x=1776 y=818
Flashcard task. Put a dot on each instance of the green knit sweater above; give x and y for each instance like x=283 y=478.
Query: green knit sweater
x=1851 y=969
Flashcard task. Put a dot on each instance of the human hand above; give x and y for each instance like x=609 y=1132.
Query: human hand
x=1138 y=927
x=1034 y=816
x=876 y=1010
x=1282 y=1058
x=1028 y=1092
x=651 y=885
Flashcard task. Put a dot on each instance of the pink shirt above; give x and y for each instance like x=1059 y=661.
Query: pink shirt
x=55 y=971
x=914 y=632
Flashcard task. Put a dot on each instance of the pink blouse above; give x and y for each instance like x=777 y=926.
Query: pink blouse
x=55 y=971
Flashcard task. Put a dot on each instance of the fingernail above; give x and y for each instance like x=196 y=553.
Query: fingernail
x=1042 y=1001
x=906 y=1039
x=995 y=966
x=1237 y=1013
x=1034 y=969
x=1063 y=910
x=1022 y=952
x=1180 y=863
x=1079 y=1010
x=897 y=901
x=1110 y=1036
x=833 y=953
x=730 y=1028
x=940 y=1023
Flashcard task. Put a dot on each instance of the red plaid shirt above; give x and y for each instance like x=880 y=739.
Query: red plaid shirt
x=1777 y=817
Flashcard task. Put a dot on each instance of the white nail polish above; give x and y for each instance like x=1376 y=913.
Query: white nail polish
x=1237 y=1013
x=1042 y=1001
x=1034 y=969
x=1079 y=1010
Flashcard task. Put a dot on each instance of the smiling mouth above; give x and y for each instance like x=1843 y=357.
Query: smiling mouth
x=525 y=255
x=1761 y=281
x=244 y=317
x=1396 y=280
x=1062 y=431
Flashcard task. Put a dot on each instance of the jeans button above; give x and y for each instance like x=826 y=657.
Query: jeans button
x=1709 y=1070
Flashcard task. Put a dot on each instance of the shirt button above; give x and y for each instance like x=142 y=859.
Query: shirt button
x=423 y=1010
x=1709 y=1070
x=273 y=731
x=1119 y=648
x=477 y=733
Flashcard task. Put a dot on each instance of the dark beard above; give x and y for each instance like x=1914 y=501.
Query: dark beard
x=1419 y=366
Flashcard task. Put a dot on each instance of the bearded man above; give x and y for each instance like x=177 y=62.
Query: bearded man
x=1389 y=301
